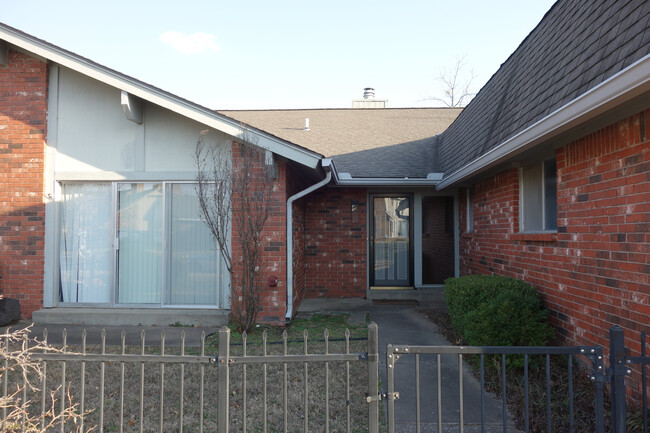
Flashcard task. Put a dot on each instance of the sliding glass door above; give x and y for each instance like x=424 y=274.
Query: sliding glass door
x=137 y=244
x=192 y=261
x=140 y=240
x=166 y=254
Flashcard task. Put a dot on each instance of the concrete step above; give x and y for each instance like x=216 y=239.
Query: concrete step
x=427 y=298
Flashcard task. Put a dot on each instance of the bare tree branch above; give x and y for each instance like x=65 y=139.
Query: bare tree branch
x=457 y=86
x=18 y=414
x=235 y=189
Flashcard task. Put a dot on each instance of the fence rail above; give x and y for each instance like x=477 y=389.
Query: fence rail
x=131 y=385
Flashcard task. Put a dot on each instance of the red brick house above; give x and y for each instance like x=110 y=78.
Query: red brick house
x=100 y=218
x=99 y=221
x=544 y=176
x=548 y=168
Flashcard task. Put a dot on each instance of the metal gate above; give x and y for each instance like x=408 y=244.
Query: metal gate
x=443 y=400
x=431 y=388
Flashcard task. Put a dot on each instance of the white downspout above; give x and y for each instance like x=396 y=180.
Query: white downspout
x=327 y=166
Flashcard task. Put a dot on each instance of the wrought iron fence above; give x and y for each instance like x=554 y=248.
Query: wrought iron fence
x=507 y=361
x=316 y=384
x=620 y=364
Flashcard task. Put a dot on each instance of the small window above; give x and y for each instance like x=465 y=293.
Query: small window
x=538 y=189
x=469 y=211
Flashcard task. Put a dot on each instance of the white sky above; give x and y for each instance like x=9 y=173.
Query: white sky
x=247 y=54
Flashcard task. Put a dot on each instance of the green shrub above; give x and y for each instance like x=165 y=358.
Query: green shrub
x=489 y=310
x=465 y=294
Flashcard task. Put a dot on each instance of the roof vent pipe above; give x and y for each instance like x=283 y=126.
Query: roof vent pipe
x=369 y=93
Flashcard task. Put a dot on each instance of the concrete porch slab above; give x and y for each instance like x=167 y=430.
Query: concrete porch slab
x=130 y=316
x=429 y=298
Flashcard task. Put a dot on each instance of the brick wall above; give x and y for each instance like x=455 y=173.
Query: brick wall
x=23 y=126
x=335 y=243
x=296 y=184
x=273 y=260
x=595 y=272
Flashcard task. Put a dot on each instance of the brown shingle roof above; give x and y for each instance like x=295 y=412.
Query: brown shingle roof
x=392 y=142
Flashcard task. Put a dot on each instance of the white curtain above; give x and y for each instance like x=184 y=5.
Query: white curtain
x=85 y=243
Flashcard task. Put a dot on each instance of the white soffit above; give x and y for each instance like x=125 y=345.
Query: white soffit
x=620 y=88
x=156 y=96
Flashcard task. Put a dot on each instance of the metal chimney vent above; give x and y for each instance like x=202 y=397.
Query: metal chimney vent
x=369 y=100
x=368 y=93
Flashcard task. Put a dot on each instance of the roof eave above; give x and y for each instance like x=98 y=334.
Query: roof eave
x=620 y=88
x=156 y=96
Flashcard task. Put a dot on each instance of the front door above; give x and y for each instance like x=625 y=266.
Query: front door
x=390 y=241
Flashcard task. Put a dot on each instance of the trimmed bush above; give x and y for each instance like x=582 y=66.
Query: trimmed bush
x=490 y=310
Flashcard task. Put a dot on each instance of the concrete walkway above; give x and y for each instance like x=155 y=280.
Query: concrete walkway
x=401 y=323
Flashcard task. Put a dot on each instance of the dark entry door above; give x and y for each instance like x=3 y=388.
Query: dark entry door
x=390 y=242
x=437 y=239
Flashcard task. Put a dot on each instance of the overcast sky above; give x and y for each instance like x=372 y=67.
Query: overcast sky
x=286 y=54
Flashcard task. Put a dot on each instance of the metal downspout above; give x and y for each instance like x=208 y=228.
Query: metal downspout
x=328 y=177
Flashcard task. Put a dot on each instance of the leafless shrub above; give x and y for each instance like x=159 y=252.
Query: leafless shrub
x=18 y=412
x=235 y=188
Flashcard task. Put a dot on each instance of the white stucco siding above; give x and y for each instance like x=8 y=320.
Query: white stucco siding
x=95 y=140
x=170 y=140
x=93 y=133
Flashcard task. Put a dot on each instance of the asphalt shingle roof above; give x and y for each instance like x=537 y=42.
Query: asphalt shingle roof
x=577 y=45
x=383 y=142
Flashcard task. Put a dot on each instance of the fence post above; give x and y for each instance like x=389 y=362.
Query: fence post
x=373 y=377
x=224 y=380
x=599 y=379
x=618 y=370
x=390 y=378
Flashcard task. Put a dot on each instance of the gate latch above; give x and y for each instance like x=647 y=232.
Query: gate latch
x=382 y=396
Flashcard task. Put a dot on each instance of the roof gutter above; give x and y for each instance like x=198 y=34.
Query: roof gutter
x=620 y=88
x=346 y=179
x=327 y=165
x=386 y=181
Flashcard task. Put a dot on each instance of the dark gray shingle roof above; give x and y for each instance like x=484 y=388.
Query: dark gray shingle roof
x=577 y=45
